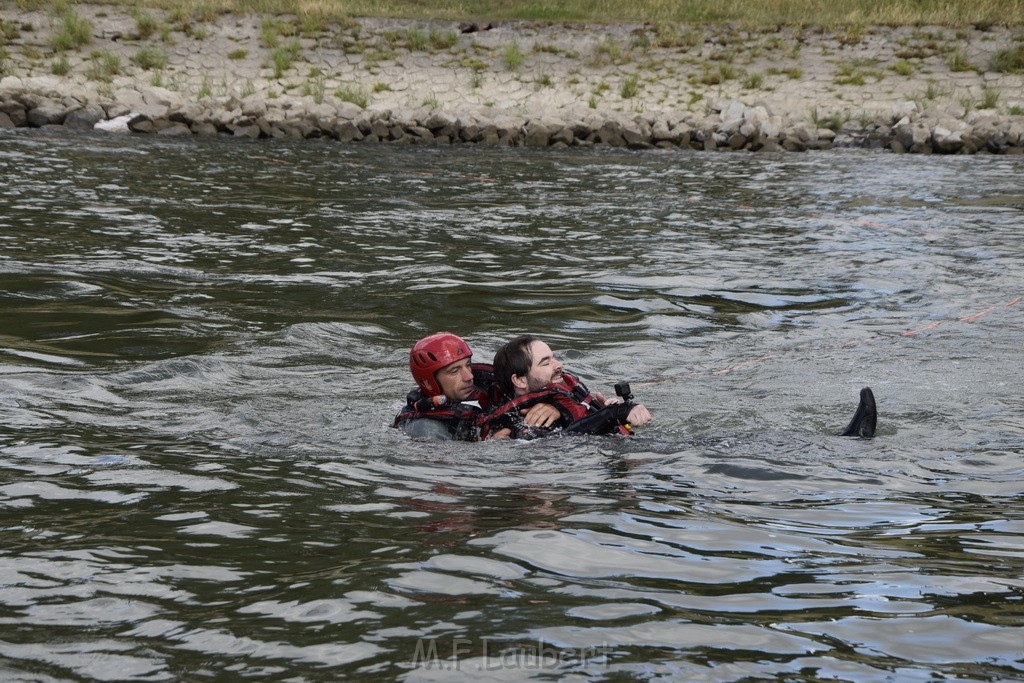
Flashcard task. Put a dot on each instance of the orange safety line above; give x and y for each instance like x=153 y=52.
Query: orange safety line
x=745 y=364
x=926 y=327
x=855 y=342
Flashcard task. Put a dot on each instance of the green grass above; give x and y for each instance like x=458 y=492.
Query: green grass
x=282 y=58
x=630 y=87
x=794 y=73
x=415 y=39
x=442 y=40
x=512 y=55
x=8 y=32
x=355 y=95
x=60 y=66
x=904 y=68
x=205 y=89
x=833 y=121
x=933 y=91
x=851 y=15
x=668 y=34
x=103 y=66
x=989 y=98
x=606 y=51
x=1009 y=60
x=145 y=24
x=856 y=73
x=958 y=62
x=316 y=86
x=148 y=58
x=272 y=30
x=73 y=33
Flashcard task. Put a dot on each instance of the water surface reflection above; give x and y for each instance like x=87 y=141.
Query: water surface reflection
x=203 y=343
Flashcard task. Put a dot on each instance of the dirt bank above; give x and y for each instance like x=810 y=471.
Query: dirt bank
x=914 y=89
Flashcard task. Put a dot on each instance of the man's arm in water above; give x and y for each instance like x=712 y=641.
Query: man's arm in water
x=540 y=415
x=638 y=416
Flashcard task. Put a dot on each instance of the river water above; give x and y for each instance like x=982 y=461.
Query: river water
x=203 y=343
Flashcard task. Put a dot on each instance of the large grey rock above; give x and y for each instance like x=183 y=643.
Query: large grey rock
x=84 y=118
x=348 y=110
x=737 y=141
x=421 y=133
x=15 y=111
x=436 y=120
x=176 y=129
x=115 y=109
x=913 y=136
x=245 y=130
x=46 y=115
x=730 y=126
x=380 y=129
x=907 y=109
x=224 y=118
x=794 y=144
x=153 y=111
x=254 y=106
x=489 y=135
x=316 y=111
x=681 y=134
x=661 y=131
x=563 y=135
x=347 y=131
x=5 y=121
x=204 y=129
x=189 y=114
x=470 y=131
x=537 y=133
x=947 y=141
x=610 y=133
x=1015 y=133
x=734 y=110
x=162 y=97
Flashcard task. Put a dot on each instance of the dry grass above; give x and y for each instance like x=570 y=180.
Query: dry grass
x=758 y=14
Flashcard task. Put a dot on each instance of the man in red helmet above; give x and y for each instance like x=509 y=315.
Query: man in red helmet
x=453 y=392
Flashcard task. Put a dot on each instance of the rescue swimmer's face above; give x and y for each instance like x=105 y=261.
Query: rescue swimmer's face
x=545 y=368
x=456 y=380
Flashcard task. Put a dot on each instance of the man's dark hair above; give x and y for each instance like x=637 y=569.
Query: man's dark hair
x=513 y=358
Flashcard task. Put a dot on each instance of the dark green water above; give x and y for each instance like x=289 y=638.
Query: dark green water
x=202 y=345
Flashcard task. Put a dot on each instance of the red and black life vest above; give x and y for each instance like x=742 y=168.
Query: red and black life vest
x=461 y=419
x=570 y=396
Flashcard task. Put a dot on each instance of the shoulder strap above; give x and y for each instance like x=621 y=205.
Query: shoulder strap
x=462 y=420
x=570 y=398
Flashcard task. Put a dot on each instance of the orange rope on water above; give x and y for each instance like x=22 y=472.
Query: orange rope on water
x=866 y=340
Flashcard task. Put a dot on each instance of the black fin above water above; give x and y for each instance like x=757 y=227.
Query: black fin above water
x=865 y=419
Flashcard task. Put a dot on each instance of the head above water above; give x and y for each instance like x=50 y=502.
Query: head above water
x=524 y=365
x=440 y=364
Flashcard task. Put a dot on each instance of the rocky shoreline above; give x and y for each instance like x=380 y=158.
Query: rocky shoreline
x=373 y=82
x=736 y=128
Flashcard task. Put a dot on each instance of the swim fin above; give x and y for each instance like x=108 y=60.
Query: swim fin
x=864 y=420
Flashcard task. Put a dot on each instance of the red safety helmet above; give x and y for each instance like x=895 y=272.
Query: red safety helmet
x=432 y=353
